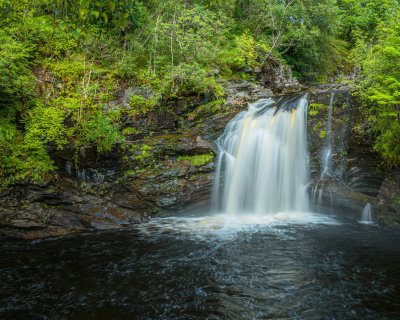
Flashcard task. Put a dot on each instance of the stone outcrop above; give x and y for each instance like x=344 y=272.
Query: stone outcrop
x=279 y=78
x=387 y=203
x=113 y=191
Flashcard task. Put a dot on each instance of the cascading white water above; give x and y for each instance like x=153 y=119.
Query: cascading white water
x=262 y=164
x=366 y=216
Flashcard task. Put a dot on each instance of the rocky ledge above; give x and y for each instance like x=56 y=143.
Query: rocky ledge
x=110 y=192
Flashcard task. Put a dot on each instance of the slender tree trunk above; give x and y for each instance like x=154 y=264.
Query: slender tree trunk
x=172 y=34
x=83 y=88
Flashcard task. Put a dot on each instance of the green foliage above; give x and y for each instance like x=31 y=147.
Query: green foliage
x=318 y=126
x=251 y=52
x=360 y=18
x=125 y=64
x=197 y=160
x=21 y=159
x=17 y=82
x=303 y=32
x=143 y=154
x=380 y=87
x=314 y=108
x=194 y=29
x=188 y=79
x=141 y=105
x=46 y=124
x=100 y=131
x=130 y=130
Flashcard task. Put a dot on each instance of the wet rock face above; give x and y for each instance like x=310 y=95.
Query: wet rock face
x=387 y=204
x=354 y=178
x=146 y=92
x=168 y=172
x=27 y=216
x=173 y=185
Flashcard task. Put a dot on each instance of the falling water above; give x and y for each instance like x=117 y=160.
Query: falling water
x=326 y=159
x=366 y=216
x=262 y=164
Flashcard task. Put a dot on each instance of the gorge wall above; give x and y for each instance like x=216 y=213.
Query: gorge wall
x=168 y=165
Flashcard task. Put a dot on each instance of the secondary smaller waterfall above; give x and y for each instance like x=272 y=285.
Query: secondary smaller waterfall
x=326 y=158
x=367 y=213
x=262 y=164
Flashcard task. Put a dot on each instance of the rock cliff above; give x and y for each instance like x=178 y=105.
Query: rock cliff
x=166 y=163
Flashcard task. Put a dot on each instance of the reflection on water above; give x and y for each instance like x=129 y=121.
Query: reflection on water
x=287 y=266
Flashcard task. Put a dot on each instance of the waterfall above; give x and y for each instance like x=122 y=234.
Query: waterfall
x=326 y=159
x=366 y=216
x=262 y=164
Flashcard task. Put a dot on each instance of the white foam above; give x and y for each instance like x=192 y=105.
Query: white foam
x=227 y=225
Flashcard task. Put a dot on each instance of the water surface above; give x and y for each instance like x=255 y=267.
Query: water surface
x=286 y=266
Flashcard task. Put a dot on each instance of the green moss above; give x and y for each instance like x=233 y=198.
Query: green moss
x=321 y=79
x=314 y=108
x=197 y=160
x=322 y=134
x=211 y=107
x=131 y=130
x=318 y=126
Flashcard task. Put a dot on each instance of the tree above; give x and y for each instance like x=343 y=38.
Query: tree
x=193 y=30
x=381 y=87
x=300 y=29
x=360 y=18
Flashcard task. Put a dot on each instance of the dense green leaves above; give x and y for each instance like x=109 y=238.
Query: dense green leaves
x=17 y=83
x=100 y=131
x=304 y=31
x=381 y=88
x=62 y=61
x=21 y=159
x=360 y=18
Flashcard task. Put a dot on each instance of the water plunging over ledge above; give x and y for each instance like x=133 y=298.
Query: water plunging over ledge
x=367 y=214
x=262 y=164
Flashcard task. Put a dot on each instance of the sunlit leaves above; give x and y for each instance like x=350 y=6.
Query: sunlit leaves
x=111 y=6
x=46 y=124
x=381 y=86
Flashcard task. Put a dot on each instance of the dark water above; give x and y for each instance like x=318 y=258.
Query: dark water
x=197 y=269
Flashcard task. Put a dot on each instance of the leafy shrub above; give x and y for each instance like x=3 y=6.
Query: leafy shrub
x=17 y=82
x=21 y=159
x=46 y=124
x=188 y=79
x=100 y=131
x=140 y=104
